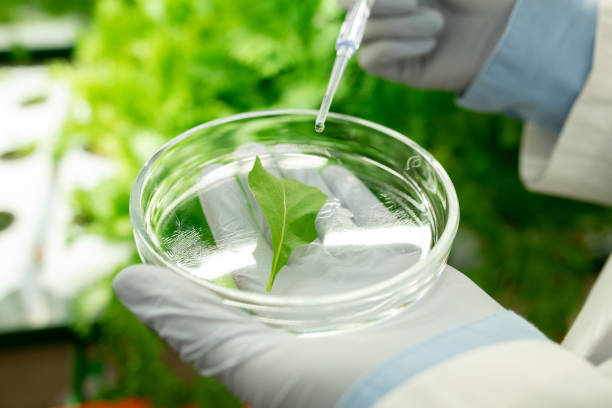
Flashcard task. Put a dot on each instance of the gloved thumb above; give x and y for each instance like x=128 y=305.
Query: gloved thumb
x=193 y=320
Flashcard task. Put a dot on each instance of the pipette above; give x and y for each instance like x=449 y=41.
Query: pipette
x=347 y=44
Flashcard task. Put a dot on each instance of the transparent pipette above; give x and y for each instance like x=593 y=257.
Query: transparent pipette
x=347 y=44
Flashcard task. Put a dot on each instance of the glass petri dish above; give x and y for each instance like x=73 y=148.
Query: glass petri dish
x=384 y=233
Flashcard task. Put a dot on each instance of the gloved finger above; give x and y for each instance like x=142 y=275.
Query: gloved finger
x=385 y=7
x=332 y=215
x=241 y=249
x=367 y=209
x=380 y=54
x=292 y=164
x=396 y=244
x=422 y=23
x=214 y=337
x=225 y=207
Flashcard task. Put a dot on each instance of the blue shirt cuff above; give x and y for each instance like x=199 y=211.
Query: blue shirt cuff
x=540 y=64
x=496 y=328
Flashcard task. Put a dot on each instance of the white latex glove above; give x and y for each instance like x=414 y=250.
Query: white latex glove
x=268 y=367
x=460 y=34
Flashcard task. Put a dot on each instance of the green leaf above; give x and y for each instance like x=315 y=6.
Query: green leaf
x=290 y=208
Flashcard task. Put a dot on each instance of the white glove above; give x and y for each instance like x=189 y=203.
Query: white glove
x=432 y=44
x=268 y=367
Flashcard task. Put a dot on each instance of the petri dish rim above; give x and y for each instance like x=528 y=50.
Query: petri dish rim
x=437 y=251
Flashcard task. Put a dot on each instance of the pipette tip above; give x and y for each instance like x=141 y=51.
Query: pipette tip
x=319 y=127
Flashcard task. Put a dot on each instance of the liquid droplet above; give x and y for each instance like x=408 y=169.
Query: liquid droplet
x=319 y=127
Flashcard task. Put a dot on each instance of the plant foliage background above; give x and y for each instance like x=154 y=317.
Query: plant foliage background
x=146 y=70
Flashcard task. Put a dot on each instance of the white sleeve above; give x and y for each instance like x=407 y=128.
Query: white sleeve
x=524 y=373
x=606 y=369
x=590 y=336
x=578 y=162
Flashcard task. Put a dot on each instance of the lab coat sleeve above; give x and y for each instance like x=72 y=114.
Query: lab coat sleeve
x=523 y=373
x=590 y=336
x=410 y=363
x=497 y=361
x=577 y=163
x=606 y=369
x=540 y=64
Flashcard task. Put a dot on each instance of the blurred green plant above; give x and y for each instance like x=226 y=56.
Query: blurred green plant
x=20 y=9
x=146 y=70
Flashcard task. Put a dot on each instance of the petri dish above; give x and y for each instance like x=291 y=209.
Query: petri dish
x=383 y=235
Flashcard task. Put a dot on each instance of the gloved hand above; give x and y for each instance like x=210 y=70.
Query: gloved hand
x=268 y=367
x=432 y=44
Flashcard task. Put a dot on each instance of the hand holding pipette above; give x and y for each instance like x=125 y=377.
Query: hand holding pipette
x=433 y=44
x=399 y=34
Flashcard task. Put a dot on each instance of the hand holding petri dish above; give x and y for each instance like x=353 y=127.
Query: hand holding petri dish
x=382 y=231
